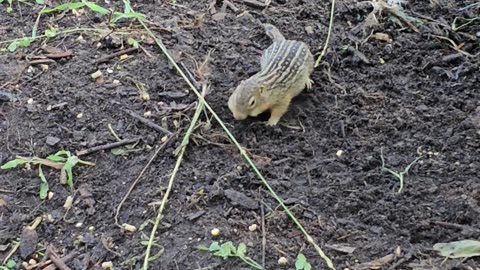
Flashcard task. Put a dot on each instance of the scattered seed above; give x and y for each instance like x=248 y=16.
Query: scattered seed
x=107 y=265
x=109 y=70
x=116 y=82
x=80 y=115
x=398 y=251
x=48 y=218
x=147 y=113
x=253 y=227
x=32 y=262
x=145 y=96
x=129 y=228
x=68 y=202
x=30 y=101
x=79 y=225
x=50 y=195
x=215 y=232
x=49 y=107
x=381 y=61
x=164 y=138
x=91 y=228
x=80 y=38
x=123 y=56
x=340 y=153
x=382 y=37
x=25 y=265
x=97 y=74
x=44 y=67
x=282 y=261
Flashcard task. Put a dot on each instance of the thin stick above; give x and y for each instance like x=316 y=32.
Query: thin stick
x=119 y=207
x=183 y=146
x=330 y=26
x=106 y=146
x=115 y=54
x=242 y=150
x=148 y=122
x=264 y=236
x=56 y=260
x=64 y=259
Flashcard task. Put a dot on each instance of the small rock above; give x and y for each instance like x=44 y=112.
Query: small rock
x=239 y=198
x=309 y=30
x=219 y=16
x=6 y=97
x=52 y=140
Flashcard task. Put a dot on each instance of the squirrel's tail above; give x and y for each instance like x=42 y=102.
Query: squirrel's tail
x=273 y=32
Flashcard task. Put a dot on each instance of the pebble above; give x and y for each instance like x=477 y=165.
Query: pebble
x=52 y=140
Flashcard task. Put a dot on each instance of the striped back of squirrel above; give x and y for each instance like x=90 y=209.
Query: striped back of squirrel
x=283 y=61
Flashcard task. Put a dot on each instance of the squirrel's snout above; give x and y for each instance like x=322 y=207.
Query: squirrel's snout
x=239 y=116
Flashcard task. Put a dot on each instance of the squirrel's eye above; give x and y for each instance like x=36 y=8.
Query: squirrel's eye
x=251 y=102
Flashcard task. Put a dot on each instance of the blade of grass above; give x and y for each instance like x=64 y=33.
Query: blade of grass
x=183 y=146
x=327 y=41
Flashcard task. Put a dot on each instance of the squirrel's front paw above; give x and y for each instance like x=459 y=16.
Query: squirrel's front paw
x=272 y=122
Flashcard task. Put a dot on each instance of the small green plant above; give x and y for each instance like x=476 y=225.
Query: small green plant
x=62 y=160
x=11 y=264
x=95 y=8
x=398 y=175
x=301 y=263
x=227 y=250
x=458 y=249
x=10 y=2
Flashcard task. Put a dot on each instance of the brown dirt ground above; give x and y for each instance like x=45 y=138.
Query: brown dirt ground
x=416 y=96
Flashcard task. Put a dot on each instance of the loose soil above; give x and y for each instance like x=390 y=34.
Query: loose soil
x=416 y=96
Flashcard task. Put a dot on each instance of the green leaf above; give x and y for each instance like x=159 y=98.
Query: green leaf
x=51 y=33
x=11 y=264
x=13 y=46
x=130 y=15
x=214 y=246
x=13 y=164
x=203 y=248
x=458 y=249
x=67 y=6
x=73 y=160
x=43 y=184
x=40 y=2
x=118 y=151
x=68 y=169
x=226 y=250
x=25 y=42
x=63 y=153
x=300 y=262
x=132 y=42
x=96 y=8
x=9 y=10
x=241 y=250
x=308 y=266
x=56 y=158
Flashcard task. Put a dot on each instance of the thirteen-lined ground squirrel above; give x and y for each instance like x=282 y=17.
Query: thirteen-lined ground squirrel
x=286 y=66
